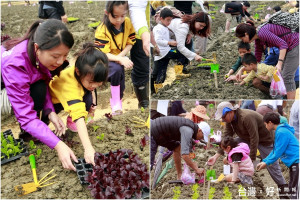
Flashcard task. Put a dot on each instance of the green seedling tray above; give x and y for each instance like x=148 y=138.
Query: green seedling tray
x=210 y=173
x=94 y=25
x=72 y=19
x=16 y=141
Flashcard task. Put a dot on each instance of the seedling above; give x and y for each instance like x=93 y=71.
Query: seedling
x=38 y=153
x=128 y=131
x=191 y=84
x=142 y=109
x=195 y=190
x=177 y=192
x=95 y=128
x=211 y=5
x=262 y=5
x=108 y=116
x=256 y=16
x=227 y=193
x=143 y=142
x=211 y=193
x=101 y=137
x=32 y=145
x=11 y=139
x=2 y=137
x=259 y=9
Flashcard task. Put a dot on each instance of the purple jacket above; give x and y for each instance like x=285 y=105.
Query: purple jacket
x=18 y=74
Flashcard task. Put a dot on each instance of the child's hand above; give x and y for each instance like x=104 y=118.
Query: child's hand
x=172 y=43
x=198 y=58
x=241 y=83
x=231 y=78
x=126 y=62
x=89 y=154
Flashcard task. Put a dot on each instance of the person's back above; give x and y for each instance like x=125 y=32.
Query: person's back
x=168 y=127
x=184 y=6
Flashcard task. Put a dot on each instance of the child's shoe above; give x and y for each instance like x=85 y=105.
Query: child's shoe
x=71 y=125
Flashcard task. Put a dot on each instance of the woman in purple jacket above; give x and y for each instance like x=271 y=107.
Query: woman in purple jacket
x=273 y=35
x=25 y=66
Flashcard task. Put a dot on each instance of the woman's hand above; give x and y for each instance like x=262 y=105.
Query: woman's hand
x=65 y=154
x=89 y=155
x=279 y=66
x=60 y=128
x=188 y=38
x=126 y=62
x=200 y=171
x=198 y=58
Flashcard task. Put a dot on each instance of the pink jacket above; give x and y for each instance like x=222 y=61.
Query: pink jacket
x=18 y=74
x=246 y=165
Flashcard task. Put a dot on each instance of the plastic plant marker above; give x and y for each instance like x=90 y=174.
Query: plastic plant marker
x=226 y=169
x=215 y=68
x=220 y=178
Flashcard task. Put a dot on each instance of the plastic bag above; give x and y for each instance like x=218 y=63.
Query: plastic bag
x=277 y=88
x=187 y=177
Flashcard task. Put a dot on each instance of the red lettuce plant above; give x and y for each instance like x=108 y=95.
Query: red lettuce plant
x=108 y=116
x=118 y=175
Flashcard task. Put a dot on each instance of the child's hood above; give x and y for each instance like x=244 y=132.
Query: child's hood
x=283 y=126
x=243 y=147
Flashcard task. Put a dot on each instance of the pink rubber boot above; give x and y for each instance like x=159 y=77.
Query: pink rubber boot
x=115 y=101
x=71 y=125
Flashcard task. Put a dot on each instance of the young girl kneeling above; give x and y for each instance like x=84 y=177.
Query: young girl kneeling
x=238 y=158
x=73 y=90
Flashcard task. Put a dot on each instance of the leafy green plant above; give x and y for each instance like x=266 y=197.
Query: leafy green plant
x=259 y=9
x=95 y=128
x=38 y=153
x=211 y=193
x=101 y=137
x=2 y=136
x=191 y=84
x=227 y=193
x=11 y=139
x=142 y=109
x=32 y=145
x=195 y=190
x=177 y=192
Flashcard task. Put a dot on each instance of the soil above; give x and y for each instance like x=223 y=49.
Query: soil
x=201 y=84
x=18 y=19
x=261 y=179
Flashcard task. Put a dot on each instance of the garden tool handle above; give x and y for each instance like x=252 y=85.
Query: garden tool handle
x=33 y=167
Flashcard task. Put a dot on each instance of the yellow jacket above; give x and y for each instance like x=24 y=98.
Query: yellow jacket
x=262 y=69
x=104 y=40
x=66 y=90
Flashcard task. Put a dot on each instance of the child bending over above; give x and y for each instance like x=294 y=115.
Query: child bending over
x=260 y=73
x=238 y=158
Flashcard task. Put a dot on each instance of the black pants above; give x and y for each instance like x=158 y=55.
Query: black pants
x=52 y=13
x=160 y=66
x=294 y=180
x=140 y=71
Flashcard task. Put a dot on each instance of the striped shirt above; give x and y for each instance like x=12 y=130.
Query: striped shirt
x=270 y=35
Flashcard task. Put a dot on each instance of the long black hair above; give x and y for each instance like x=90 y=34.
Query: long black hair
x=47 y=34
x=91 y=60
x=110 y=9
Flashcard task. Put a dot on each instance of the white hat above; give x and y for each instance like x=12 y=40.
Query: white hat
x=205 y=128
x=221 y=106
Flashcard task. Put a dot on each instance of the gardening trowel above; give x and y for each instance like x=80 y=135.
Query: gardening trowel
x=33 y=186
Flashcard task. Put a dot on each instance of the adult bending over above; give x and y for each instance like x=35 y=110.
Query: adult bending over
x=25 y=66
x=273 y=35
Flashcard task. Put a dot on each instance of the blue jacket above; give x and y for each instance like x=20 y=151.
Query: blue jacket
x=286 y=146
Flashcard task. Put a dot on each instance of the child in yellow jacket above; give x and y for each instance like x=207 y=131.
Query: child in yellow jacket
x=260 y=71
x=73 y=91
x=115 y=37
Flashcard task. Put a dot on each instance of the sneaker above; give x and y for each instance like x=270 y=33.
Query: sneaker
x=71 y=125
